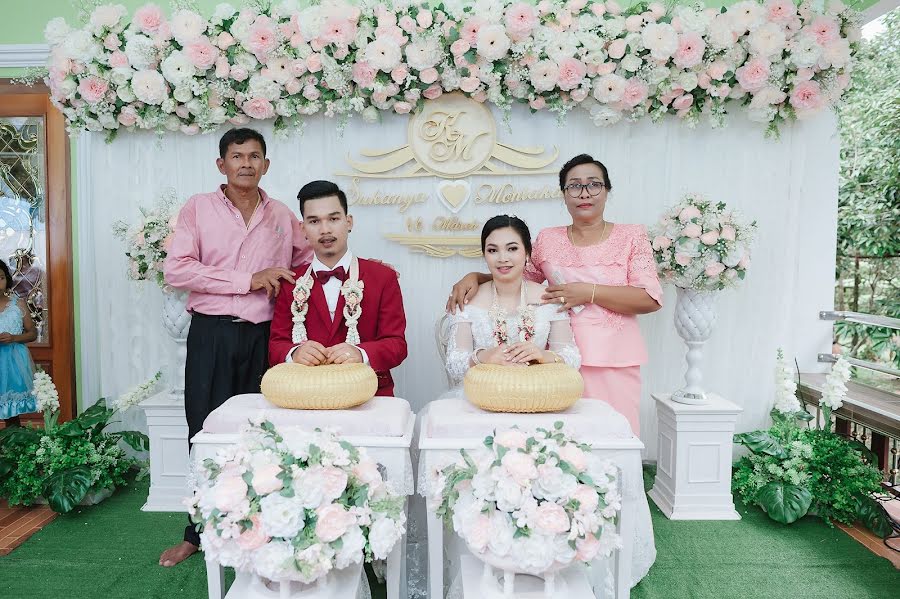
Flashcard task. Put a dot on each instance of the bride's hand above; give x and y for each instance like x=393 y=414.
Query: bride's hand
x=524 y=352
x=493 y=355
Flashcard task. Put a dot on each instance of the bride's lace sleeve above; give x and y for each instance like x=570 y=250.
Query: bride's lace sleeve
x=459 y=347
x=562 y=341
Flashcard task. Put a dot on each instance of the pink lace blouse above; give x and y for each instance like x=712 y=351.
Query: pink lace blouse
x=605 y=338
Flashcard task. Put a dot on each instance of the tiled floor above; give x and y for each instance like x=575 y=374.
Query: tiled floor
x=18 y=523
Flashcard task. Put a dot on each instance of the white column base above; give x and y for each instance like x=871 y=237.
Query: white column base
x=693 y=473
x=169 y=462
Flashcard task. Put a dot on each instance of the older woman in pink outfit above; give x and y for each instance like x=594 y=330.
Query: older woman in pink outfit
x=605 y=274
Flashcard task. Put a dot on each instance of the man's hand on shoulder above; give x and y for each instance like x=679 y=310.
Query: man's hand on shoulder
x=270 y=280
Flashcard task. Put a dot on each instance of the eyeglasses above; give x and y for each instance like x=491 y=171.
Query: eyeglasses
x=593 y=188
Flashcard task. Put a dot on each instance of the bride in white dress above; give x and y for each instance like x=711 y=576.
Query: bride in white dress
x=506 y=323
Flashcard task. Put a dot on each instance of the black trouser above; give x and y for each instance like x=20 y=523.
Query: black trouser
x=224 y=358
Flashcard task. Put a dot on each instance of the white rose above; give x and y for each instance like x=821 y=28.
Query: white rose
x=613 y=27
x=80 y=45
x=182 y=93
x=106 y=16
x=837 y=53
x=746 y=15
x=383 y=535
x=281 y=516
x=553 y=484
x=508 y=494
x=502 y=533
x=691 y=20
x=141 y=52
x=274 y=560
x=767 y=40
x=534 y=553
x=721 y=32
x=383 y=54
x=149 y=87
x=261 y=86
x=176 y=68
x=370 y=114
x=492 y=42
x=657 y=75
x=223 y=11
x=631 y=63
x=352 y=544
x=168 y=105
x=609 y=88
x=561 y=47
x=687 y=80
x=187 y=26
x=125 y=94
x=603 y=115
x=56 y=31
x=67 y=87
x=661 y=39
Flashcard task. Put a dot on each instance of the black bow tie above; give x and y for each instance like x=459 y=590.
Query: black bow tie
x=325 y=275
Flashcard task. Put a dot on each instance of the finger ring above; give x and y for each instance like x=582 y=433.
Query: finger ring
x=562 y=300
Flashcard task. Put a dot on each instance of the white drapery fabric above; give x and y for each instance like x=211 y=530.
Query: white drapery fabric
x=789 y=186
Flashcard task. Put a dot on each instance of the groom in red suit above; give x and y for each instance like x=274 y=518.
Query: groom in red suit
x=382 y=324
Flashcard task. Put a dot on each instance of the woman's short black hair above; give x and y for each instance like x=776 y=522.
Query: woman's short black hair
x=503 y=221
x=578 y=161
x=9 y=279
x=239 y=136
x=315 y=190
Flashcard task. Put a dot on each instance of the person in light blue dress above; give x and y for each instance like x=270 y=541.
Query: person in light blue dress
x=16 y=368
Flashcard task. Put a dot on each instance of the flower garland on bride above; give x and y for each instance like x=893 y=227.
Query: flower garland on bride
x=273 y=60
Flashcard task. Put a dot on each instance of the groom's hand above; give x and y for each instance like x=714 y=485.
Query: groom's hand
x=343 y=353
x=270 y=280
x=311 y=353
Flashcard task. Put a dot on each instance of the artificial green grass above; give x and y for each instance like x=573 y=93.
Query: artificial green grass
x=757 y=557
x=112 y=551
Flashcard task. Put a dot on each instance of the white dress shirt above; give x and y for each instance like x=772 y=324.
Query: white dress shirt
x=332 y=290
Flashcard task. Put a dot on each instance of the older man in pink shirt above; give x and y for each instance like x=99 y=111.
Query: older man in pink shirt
x=231 y=249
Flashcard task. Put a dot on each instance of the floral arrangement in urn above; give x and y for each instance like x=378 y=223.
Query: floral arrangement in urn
x=702 y=245
x=147 y=242
x=273 y=60
x=531 y=502
x=292 y=505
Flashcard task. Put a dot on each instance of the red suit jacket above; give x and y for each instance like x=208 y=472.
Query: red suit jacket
x=381 y=327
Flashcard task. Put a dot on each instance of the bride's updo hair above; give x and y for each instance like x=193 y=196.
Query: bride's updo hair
x=502 y=221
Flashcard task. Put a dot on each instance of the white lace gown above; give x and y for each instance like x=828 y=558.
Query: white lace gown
x=471 y=329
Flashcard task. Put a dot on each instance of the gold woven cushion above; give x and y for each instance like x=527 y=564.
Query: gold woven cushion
x=537 y=388
x=327 y=387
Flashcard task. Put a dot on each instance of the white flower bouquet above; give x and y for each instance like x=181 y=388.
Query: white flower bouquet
x=702 y=245
x=535 y=502
x=147 y=243
x=293 y=505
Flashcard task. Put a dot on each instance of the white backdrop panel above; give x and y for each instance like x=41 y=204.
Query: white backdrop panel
x=789 y=186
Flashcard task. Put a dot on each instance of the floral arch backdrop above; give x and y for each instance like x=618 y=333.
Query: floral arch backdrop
x=186 y=72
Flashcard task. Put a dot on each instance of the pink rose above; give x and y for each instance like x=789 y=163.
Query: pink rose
x=598 y=9
x=182 y=111
x=753 y=75
x=661 y=242
x=690 y=50
x=363 y=74
x=407 y=24
x=222 y=67
x=588 y=500
x=587 y=548
x=469 y=31
x=402 y=107
x=93 y=89
x=606 y=68
x=703 y=81
x=714 y=269
x=692 y=230
x=424 y=19
x=238 y=73
x=824 y=29
x=332 y=522
x=228 y=492
x=717 y=70
x=366 y=471
x=258 y=108
x=298 y=68
x=469 y=84
x=511 y=439
x=334 y=482
x=201 y=53
x=428 y=76
x=117 y=60
x=579 y=95
x=253 y=537
x=635 y=92
x=262 y=39
x=571 y=73
x=805 y=74
x=520 y=20
x=520 y=466
x=192 y=129
x=543 y=7
x=148 y=18
x=432 y=92
x=311 y=92
x=728 y=233
x=399 y=73
x=339 y=32
x=224 y=40
x=682 y=259
x=293 y=86
x=538 y=103
x=265 y=479
x=239 y=119
x=682 y=102
x=657 y=9
x=128 y=116
x=314 y=63
x=634 y=23
x=807 y=98
x=551 y=518
x=723 y=90
x=575 y=6
x=574 y=455
x=111 y=42
x=460 y=47
x=709 y=238
x=617 y=49
x=613 y=8
x=780 y=11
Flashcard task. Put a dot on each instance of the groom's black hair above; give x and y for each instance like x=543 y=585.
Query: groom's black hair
x=503 y=221
x=315 y=190
x=578 y=161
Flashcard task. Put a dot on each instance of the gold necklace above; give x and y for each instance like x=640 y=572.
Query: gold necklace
x=255 y=208
x=571 y=235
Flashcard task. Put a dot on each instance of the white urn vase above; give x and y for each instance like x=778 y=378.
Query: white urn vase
x=261 y=588
x=504 y=586
x=177 y=321
x=695 y=317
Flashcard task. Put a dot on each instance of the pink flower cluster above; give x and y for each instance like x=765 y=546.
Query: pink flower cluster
x=193 y=73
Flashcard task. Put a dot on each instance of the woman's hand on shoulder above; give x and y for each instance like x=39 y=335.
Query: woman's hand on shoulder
x=569 y=295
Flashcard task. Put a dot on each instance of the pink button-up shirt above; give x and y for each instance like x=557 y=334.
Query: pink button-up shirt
x=214 y=255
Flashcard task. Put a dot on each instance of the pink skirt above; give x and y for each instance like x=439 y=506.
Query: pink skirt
x=620 y=387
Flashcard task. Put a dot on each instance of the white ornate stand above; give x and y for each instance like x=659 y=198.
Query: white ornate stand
x=695 y=317
x=481 y=583
x=339 y=584
x=693 y=474
x=383 y=425
x=166 y=424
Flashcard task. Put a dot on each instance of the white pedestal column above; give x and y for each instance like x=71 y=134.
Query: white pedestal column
x=169 y=462
x=693 y=474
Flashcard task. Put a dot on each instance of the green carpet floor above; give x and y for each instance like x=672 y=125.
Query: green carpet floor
x=111 y=551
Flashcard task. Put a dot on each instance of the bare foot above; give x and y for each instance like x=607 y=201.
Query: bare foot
x=177 y=554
